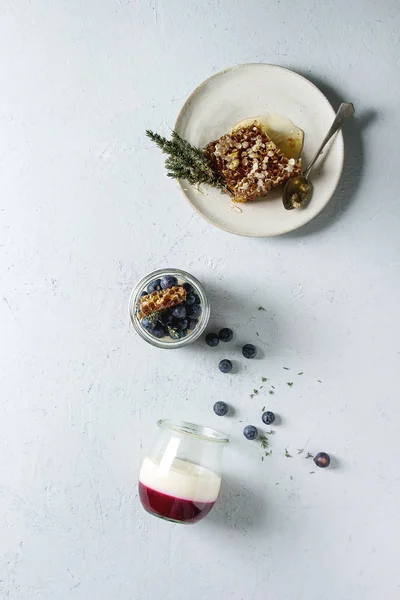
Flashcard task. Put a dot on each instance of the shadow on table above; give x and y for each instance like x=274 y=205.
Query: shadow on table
x=237 y=507
x=265 y=321
x=353 y=161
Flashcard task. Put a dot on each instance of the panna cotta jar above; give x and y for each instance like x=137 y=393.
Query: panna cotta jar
x=180 y=477
x=169 y=308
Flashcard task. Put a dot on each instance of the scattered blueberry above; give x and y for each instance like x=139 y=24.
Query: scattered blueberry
x=221 y=408
x=225 y=366
x=212 y=340
x=268 y=417
x=196 y=310
x=179 y=312
x=188 y=287
x=225 y=335
x=154 y=286
x=146 y=324
x=322 y=459
x=190 y=299
x=249 y=351
x=250 y=432
x=192 y=323
x=168 y=281
x=158 y=331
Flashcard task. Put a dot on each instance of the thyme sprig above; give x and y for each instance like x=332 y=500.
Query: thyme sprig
x=185 y=161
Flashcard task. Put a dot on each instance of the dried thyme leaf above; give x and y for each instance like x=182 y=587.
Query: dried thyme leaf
x=255 y=391
x=290 y=383
x=286 y=368
x=319 y=381
x=264 y=442
x=264 y=379
x=287 y=454
x=261 y=308
x=301 y=373
x=273 y=387
x=271 y=392
x=263 y=408
x=309 y=455
x=300 y=451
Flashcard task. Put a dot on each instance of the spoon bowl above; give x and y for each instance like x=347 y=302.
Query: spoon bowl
x=297 y=192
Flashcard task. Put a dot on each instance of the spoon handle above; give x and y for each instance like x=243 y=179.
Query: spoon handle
x=346 y=109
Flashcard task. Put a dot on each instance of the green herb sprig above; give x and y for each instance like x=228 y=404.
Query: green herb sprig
x=155 y=316
x=185 y=161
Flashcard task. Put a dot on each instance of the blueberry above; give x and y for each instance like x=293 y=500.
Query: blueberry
x=250 y=432
x=212 y=340
x=268 y=417
x=196 y=299
x=182 y=332
x=144 y=293
x=183 y=323
x=190 y=299
x=192 y=324
x=146 y=324
x=154 y=286
x=158 y=331
x=179 y=312
x=225 y=366
x=188 y=287
x=196 y=310
x=168 y=318
x=221 y=408
x=168 y=281
x=225 y=335
x=249 y=351
x=322 y=459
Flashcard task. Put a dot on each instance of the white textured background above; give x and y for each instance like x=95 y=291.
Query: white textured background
x=86 y=209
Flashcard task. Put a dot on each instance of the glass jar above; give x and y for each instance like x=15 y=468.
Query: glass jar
x=195 y=289
x=180 y=477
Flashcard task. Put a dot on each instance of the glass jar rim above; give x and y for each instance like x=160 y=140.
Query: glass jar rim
x=191 y=429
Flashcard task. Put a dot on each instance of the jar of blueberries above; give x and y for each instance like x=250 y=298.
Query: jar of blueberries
x=169 y=308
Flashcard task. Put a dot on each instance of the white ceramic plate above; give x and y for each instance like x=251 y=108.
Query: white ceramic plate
x=247 y=91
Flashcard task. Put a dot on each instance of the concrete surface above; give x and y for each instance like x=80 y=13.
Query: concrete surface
x=86 y=209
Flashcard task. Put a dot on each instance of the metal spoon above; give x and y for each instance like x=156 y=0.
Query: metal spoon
x=298 y=190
